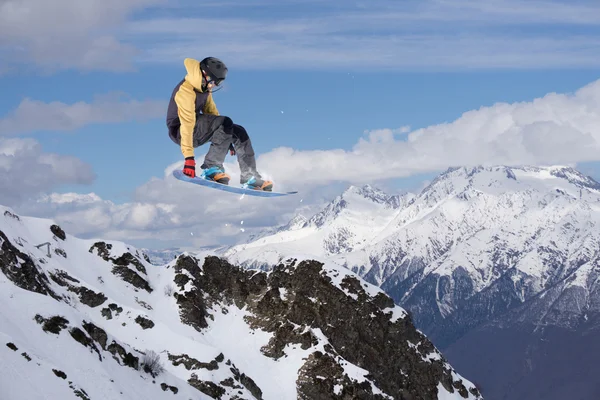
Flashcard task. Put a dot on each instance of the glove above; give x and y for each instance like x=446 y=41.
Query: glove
x=189 y=168
x=231 y=150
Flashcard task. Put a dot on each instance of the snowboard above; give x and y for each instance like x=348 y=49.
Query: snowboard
x=227 y=188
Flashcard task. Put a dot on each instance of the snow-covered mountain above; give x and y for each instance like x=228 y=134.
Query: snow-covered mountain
x=347 y=224
x=463 y=234
x=94 y=319
x=472 y=247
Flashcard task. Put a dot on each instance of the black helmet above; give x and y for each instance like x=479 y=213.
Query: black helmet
x=215 y=69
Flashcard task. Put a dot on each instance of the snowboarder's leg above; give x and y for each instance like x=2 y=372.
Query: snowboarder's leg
x=217 y=130
x=247 y=161
x=222 y=132
x=245 y=153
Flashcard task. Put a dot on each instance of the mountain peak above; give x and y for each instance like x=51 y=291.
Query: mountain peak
x=502 y=178
x=368 y=192
x=511 y=172
x=296 y=223
x=355 y=198
x=575 y=177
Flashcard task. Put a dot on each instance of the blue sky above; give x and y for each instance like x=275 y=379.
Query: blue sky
x=85 y=85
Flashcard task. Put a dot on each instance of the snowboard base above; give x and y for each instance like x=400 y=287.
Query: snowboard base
x=227 y=188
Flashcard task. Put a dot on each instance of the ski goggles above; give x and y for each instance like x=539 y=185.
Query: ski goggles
x=211 y=79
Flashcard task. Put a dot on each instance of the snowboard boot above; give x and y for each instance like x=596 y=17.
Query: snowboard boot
x=258 y=184
x=216 y=174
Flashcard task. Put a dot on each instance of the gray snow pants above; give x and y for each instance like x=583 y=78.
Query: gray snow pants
x=222 y=133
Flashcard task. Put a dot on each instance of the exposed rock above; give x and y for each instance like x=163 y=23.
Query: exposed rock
x=86 y=296
x=11 y=215
x=58 y=232
x=53 y=324
x=145 y=323
x=398 y=356
x=26 y=356
x=127 y=259
x=61 y=277
x=126 y=358
x=60 y=252
x=79 y=392
x=96 y=333
x=107 y=311
x=207 y=387
x=286 y=333
x=143 y=303
x=191 y=363
x=192 y=308
x=166 y=387
x=82 y=338
x=132 y=277
x=89 y=297
x=21 y=269
x=322 y=378
x=102 y=249
x=229 y=382
x=247 y=382
x=59 y=373
x=115 y=307
x=180 y=280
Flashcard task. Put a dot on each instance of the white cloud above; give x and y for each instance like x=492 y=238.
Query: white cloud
x=554 y=129
x=26 y=171
x=67 y=33
x=33 y=115
x=165 y=209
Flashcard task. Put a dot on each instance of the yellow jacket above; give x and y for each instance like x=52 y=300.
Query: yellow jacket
x=189 y=99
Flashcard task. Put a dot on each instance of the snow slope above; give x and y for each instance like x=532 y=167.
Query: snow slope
x=78 y=318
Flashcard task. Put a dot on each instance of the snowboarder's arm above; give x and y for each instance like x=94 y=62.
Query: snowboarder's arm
x=210 y=107
x=186 y=103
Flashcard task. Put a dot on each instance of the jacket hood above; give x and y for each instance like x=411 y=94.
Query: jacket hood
x=194 y=75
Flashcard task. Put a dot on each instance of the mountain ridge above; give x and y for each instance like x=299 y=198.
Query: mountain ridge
x=96 y=319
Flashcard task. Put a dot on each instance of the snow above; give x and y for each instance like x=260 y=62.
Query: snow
x=227 y=334
x=483 y=221
x=580 y=277
x=83 y=367
x=444 y=394
x=397 y=313
x=353 y=371
x=276 y=378
x=350 y=218
x=337 y=274
x=433 y=357
x=35 y=379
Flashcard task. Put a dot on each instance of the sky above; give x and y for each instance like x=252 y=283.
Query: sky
x=332 y=93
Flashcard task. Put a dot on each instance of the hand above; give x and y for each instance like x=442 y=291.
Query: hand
x=189 y=168
x=231 y=150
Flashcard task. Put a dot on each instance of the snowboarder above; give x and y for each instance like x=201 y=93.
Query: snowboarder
x=193 y=120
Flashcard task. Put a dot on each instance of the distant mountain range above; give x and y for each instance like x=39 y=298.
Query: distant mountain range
x=499 y=266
